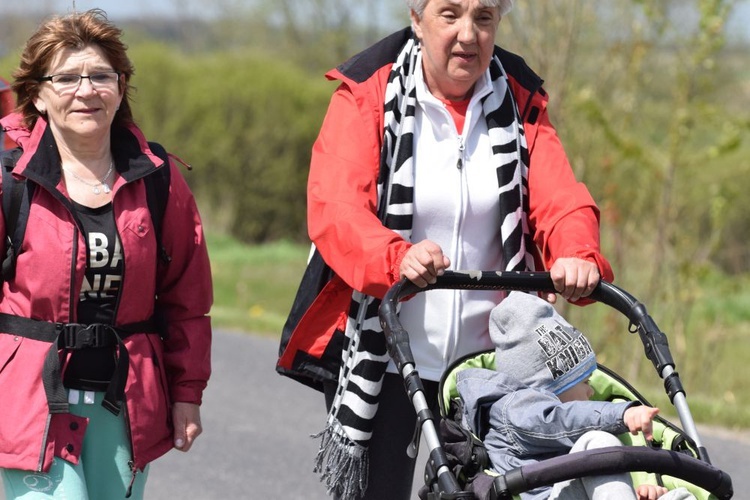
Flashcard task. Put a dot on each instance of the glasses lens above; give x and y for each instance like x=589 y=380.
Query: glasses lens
x=65 y=81
x=104 y=79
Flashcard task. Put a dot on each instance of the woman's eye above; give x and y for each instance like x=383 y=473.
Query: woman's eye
x=65 y=79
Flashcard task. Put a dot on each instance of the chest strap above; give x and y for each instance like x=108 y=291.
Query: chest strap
x=76 y=336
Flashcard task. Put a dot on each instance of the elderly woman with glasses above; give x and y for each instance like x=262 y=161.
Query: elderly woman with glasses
x=104 y=328
x=436 y=152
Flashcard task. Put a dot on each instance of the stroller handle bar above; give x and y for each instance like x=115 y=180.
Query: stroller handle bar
x=654 y=341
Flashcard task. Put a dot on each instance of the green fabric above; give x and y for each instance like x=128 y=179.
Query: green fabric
x=102 y=471
x=606 y=388
x=610 y=388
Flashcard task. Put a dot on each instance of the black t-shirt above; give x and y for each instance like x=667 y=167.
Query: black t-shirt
x=91 y=369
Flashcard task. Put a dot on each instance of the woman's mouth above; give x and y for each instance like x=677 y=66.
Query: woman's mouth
x=464 y=56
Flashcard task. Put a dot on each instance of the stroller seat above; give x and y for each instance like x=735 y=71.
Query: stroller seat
x=471 y=462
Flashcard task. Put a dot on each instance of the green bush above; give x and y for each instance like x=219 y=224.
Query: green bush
x=245 y=122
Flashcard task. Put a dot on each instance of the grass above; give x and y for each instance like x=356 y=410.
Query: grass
x=254 y=287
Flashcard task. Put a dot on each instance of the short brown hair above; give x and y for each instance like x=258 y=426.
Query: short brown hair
x=74 y=31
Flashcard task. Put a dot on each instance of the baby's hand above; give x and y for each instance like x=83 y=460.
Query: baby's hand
x=650 y=491
x=638 y=418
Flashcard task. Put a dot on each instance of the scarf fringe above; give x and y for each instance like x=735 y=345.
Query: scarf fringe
x=341 y=463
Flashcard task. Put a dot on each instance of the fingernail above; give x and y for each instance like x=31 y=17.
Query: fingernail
x=178 y=443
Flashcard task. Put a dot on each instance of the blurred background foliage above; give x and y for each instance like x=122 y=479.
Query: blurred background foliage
x=650 y=97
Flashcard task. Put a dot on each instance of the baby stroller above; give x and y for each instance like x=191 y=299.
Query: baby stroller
x=680 y=461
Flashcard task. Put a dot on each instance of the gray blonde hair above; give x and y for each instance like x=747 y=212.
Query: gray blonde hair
x=503 y=5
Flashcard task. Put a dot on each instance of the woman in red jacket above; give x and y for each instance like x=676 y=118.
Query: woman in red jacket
x=104 y=345
x=436 y=152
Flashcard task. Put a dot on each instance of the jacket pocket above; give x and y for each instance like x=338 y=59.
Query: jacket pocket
x=23 y=402
x=157 y=348
x=148 y=402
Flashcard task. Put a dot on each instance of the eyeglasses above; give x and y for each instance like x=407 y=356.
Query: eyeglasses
x=106 y=80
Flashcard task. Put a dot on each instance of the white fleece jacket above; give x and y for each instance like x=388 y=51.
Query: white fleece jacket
x=456 y=206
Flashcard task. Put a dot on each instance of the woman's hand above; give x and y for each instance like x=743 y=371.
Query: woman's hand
x=423 y=263
x=573 y=278
x=187 y=424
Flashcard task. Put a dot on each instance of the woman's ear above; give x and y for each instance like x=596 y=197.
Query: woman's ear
x=415 y=24
x=40 y=105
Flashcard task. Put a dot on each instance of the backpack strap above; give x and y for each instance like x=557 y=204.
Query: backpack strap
x=17 y=195
x=157 y=195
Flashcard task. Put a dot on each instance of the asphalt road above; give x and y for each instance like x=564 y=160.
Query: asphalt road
x=257 y=427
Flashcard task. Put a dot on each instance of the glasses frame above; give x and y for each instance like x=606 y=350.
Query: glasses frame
x=76 y=86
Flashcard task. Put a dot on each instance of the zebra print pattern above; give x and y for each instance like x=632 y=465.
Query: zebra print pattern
x=342 y=459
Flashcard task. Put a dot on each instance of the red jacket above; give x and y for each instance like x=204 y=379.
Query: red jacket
x=342 y=203
x=47 y=284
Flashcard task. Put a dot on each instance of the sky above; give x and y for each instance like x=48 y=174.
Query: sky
x=120 y=9
x=115 y=9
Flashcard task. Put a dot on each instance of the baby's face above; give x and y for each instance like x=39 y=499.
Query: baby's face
x=582 y=391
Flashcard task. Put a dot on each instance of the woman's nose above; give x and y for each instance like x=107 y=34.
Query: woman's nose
x=85 y=87
x=467 y=30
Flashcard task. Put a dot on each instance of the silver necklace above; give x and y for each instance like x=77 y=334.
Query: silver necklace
x=102 y=182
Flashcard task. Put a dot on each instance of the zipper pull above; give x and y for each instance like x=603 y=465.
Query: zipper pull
x=134 y=471
x=460 y=163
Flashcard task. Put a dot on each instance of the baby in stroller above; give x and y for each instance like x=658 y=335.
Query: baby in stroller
x=535 y=405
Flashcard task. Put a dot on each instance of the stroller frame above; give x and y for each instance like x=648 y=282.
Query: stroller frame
x=698 y=471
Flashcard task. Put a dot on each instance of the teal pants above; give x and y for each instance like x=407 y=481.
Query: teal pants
x=102 y=471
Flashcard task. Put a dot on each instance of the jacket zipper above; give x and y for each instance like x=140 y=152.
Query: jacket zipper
x=73 y=299
x=456 y=250
x=43 y=451
x=71 y=314
x=461 y=148
x=125 y=412
x=131 y=462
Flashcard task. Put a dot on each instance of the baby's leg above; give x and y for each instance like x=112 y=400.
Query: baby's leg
x=608 y=487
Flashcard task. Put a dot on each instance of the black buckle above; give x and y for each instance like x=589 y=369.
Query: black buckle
x=78 y=336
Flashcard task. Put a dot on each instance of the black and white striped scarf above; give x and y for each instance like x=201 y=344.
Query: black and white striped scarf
x=342 y=460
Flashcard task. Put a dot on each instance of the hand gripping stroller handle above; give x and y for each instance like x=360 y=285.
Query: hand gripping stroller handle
x=397 y=338
x=612 y=460
x=654 y=341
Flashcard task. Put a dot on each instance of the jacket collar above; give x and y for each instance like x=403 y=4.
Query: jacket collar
x=363 y=65
x=40 y=160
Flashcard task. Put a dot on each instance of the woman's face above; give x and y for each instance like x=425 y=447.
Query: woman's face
x=84 y=111
x=458 y=39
